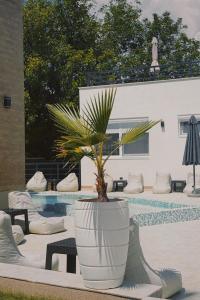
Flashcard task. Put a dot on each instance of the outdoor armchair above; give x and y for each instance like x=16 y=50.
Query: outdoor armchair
x=37 y=183
x=68 y=184
x=38 y=223
x=9 y=252
x=162 y=184
x=139 y=272
x=190 y=182
x=135 y=184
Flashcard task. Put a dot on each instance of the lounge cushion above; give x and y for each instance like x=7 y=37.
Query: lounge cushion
x=9 y=252
x=17 y=234
x=140 y=272
x=47 y=226
x=190 y=182
x=162 y=184
x=68 y=184
x=135 y=184
x=37 y=183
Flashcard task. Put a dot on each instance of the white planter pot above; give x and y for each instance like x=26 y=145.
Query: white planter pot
x=102 y=237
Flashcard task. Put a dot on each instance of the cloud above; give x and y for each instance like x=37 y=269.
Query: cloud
x=188 y=10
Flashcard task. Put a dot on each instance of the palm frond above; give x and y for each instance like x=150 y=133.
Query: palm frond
x=97 y=113
x=68 y=120
x=134 y=133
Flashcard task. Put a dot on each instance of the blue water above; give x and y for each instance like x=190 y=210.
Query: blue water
x=145 y=211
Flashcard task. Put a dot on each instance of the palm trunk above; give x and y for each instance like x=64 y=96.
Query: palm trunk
x=101 y=187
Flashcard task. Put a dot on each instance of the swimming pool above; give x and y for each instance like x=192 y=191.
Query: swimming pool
x=145 y=211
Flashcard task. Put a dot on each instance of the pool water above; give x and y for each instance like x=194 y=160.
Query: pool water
x=145 y=211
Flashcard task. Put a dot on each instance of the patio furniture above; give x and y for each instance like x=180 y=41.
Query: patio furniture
x=9 y=252
x=162 y=184
x=135 y=184
x=119 y=185
x=139 y=272
x=178 y=185
x=38 y=223
x=47 y=226
x=37 y=183
x=13 y=212
x=68 y=247
x=17 y=234
x=68 y=184
x=51 y=184
x=190 y=183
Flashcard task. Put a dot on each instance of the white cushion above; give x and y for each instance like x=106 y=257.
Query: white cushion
x=9 y=252
x=189 y=183
x=20 y=200
x=68 y=184
x=17 y=234
x=135 y=184
x=162 y=184
x=23 y=200
x=37 y=183
x=47 y=226
x=140 y=272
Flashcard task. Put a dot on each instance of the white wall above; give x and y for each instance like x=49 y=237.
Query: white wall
x=165 y=100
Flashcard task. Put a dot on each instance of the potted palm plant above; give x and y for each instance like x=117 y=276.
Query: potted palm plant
x=102 y=224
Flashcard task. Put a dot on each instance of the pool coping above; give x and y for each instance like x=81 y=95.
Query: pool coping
x=45 y=280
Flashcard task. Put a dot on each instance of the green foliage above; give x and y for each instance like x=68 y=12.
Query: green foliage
x=59 y=43
x=174 y=45
x=63 y=40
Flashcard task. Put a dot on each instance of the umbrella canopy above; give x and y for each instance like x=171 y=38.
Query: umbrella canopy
x=192 y=146
x=154 y=64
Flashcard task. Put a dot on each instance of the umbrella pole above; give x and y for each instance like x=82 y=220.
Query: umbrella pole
x=194 y=176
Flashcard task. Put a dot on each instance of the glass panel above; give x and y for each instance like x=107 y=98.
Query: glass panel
x=108 y=147
x=140 y=146
x=184 y=127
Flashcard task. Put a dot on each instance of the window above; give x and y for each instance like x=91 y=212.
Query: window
x=116 y=128
x=139 y=147
x=184 y=125
x=109 y=146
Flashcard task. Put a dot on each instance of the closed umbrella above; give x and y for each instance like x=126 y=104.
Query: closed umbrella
x=154 y=64
x=192 y=146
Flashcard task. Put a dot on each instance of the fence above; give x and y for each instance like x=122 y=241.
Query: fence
x=52 y=170
x=144 y=73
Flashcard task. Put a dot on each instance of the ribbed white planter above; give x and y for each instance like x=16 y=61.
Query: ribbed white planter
x=102 y=236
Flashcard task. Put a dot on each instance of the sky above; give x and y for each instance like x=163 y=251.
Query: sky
x=188 y=10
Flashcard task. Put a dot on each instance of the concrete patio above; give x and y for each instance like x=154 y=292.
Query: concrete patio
x=174 y=245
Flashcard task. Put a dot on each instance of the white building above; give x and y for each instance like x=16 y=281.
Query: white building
x=172 y=101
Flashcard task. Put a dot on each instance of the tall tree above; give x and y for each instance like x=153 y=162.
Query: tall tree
x=174 y=44
x=59 y=43
x=63 y=40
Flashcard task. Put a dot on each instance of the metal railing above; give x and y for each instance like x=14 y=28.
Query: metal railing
x=52 y=170
x=144 y=73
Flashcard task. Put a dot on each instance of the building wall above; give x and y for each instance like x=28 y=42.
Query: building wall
x=12 y=140
x=166 y=100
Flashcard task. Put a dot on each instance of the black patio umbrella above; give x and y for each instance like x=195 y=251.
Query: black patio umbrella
x=192 y=146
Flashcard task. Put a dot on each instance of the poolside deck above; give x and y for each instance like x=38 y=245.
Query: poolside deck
x=174 y=245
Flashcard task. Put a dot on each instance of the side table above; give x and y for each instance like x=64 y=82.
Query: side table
x=13 y=212
x=68 y=247
x=178 y=185
x=118 y=185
